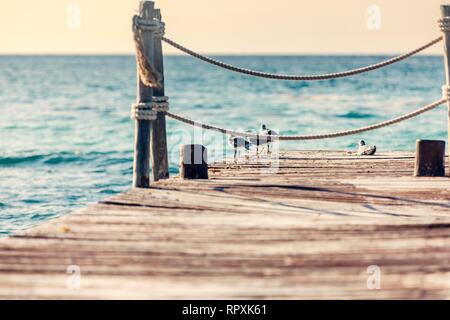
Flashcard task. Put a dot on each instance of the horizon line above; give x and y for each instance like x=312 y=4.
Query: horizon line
x=213 y=54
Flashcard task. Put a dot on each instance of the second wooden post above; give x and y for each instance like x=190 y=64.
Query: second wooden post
x=159 y=157
x=445 y=27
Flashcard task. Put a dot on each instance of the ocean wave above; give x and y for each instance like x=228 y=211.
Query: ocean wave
x=63 y=158
x=356 y=115
x=11 y=161
x=54 y=158
x=32 y=201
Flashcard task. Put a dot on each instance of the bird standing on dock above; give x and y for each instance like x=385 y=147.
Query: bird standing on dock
x=365 y=150
x=238 y=143
x=254 y=139
x=267 y=137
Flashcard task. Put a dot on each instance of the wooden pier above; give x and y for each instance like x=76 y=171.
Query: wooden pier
x=312 y=229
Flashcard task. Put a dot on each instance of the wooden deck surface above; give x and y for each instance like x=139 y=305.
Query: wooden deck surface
x=309 y=230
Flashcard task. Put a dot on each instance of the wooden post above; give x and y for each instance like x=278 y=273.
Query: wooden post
x=159 y=157
x=141 y=165
x=430 y=158
x=193 y=162
x=445 y=13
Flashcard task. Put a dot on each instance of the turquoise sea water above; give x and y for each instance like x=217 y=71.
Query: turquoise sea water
x=66 y=138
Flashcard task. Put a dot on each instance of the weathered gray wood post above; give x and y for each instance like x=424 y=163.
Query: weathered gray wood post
x=193 y=162
x=445 y=15
x=150 y=136
x=159 y=157
x=141 y=165
x=430 y=155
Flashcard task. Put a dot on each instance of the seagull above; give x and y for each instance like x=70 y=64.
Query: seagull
x=268 y=133
x=238 y=143
x=254 y=139
x=365 y=150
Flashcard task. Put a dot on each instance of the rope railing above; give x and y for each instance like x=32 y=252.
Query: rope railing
x=148 y=111
x=316 y=136
x=274 y=76
x=159 y=28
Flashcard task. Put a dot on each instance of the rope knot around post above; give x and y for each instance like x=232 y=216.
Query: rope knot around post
x=446 y=92
x=157 y=27
x=149 y=110
x=154 y=28
x=444 y=24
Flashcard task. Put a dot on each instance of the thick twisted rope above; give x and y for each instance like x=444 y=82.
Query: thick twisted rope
x=444 y=24
x=149 y=110
x=446 y=97
x=149 y=76
x=147 y=73
x=299 y=77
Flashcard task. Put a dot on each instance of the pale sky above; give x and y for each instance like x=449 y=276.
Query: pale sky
x=222 y=26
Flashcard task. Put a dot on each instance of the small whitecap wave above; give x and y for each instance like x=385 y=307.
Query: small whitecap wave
x=356 y=115
x=54 y=158
x=108 y=191
x=32 y=201
x=11 y=161
x=62 y=158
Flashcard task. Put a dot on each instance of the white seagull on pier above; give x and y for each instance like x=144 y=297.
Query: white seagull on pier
x=238 y=143
x=365 y=150
x=267 y=136
x=254 y=139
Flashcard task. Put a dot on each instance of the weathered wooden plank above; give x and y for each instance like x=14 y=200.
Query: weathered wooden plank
x=308 y=230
